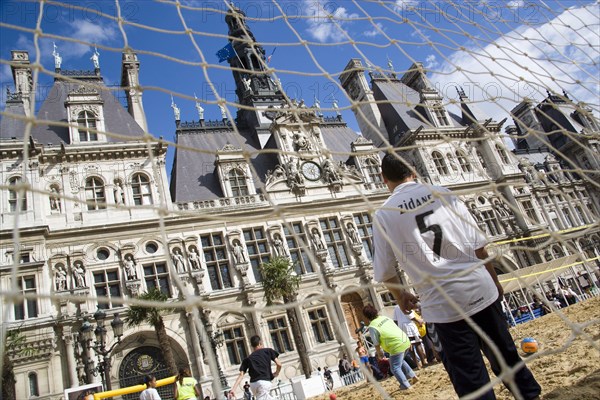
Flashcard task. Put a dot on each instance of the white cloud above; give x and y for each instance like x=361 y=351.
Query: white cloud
x=557 y=55
x=321 y=25
x=431 y=62
x=374 y=31
x=515 y=4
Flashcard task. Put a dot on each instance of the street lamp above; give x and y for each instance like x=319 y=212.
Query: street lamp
x=99 y=346
x=216 y=341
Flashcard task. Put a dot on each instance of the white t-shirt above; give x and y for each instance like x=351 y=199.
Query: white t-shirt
x=150 y=394
x=430 y=233
x=406 y=323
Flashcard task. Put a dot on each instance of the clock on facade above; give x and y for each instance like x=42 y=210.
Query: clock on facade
x=311 y=170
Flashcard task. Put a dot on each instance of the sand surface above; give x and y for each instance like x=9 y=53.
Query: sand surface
x=567 y=365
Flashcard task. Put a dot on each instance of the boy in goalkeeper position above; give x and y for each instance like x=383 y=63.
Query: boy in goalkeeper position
x=430 y=233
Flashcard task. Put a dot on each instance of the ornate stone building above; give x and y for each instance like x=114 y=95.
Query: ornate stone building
x=98 y=222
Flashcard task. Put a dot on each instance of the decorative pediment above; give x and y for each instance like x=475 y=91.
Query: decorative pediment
x=229 y=148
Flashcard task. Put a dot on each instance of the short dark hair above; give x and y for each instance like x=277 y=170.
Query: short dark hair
x=394 y=168
x=370 y=312
x=148 y=379
x=254 y=341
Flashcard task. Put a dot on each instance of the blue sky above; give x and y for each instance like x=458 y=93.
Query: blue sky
x=497 y=50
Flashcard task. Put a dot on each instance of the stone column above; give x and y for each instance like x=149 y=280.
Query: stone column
x=67 y=337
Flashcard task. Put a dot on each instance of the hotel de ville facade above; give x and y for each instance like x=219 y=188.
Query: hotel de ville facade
x=99 y=220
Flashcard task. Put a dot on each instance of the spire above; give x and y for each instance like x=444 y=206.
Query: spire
x=335 y=106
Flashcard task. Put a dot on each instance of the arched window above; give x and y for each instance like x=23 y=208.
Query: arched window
x=440 y=163
x=502 y=154
x=238 y=184
x=465 y=165
x=373 y=170
x=142 y=191
x=34 y=389
x=557 y=251
x=85 y=121
x=95 y=194
x=17 y=201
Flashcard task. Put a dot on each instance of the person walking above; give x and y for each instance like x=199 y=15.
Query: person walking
x=258 y=363
x=247 y=392
x=186 y=387
x=435 y=240
x=150 y=393
x=388 y=336
x=406 y=322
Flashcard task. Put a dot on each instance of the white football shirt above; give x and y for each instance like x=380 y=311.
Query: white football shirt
x=432 y=236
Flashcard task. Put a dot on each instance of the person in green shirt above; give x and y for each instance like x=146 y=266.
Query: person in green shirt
x=386 y=335
x=186 y=387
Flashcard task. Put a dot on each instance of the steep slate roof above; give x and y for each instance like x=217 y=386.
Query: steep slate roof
x=11 y=127
x=398 y=95
x=337 y=138
x=116 y=118
x=194 y=176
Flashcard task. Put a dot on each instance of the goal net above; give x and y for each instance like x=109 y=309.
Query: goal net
x=227 y=156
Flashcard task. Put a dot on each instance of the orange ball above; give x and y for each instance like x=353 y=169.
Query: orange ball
x=332 y=396
x=529 y=345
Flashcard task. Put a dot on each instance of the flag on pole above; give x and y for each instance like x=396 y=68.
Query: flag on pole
x=226 y=53
x=271 y=55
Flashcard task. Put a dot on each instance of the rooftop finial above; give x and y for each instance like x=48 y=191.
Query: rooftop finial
x=176 y=111
x=334 y=104
x=96 y=58
x=223 y=111
x=390 y=65
x=199 y=108
x=57 y=57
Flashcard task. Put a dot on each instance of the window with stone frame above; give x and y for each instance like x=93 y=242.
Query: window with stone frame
x=258 y=249
x=280 y=334
x=238 y=183
x=217 y=262
x=141 y=189
x=86 y=125
x=580 y=213
x=464 y=163
x=440 y=163
x=108 y=287
x=491 y=222
x=17 y=200
x=502 y=153
x=156 y=275
x=387 y=299
x=319 y=323
x=95 y=194
x=235 y=343
x=529 y=211
x=297 y=243
x=440 y=114
x=334 y=239
x=364 y=226
x=373 y=170
x=34 y=389
x=27 y=307
x=568 y=217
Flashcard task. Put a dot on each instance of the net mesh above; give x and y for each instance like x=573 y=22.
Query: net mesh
x=499 y=53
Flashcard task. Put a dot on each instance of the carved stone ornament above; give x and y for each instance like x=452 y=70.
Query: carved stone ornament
x=134 y=287
x=230 y=148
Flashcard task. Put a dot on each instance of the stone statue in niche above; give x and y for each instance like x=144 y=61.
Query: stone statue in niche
x=317 y=239
x=194 y=258
x=79 y=274
x=238 y=252
x=129 y=266
x=178 y=261
x=278 y=246
x=118 y=193
x=54 y=200
x=329 y=172
x=60 y=279
x=353 y=233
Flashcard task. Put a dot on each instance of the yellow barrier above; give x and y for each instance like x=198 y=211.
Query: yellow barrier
x=549 y=270
x=577 y=228
x=132 y=389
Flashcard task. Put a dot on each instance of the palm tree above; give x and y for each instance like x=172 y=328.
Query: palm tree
x=14 y=342
x=280 y=282
x=138 y=315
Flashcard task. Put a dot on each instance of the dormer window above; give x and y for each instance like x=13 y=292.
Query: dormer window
x=238 y=184
x=95 y=194
x=86 y=121
x=440 y=114
x=17 y=201
x=465 y=165
x=502 y=153
x=141 y=190
x=373 y=170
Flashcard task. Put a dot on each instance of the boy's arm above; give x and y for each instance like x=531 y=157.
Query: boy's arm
x=482 y=254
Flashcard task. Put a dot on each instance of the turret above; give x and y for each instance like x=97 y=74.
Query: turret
x=22 y=77
x=130 y=71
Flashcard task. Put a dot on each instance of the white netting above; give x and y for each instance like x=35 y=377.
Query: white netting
x=93 y=205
